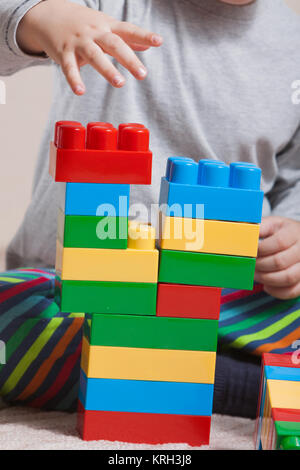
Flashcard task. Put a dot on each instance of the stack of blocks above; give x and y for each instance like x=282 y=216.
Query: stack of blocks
x=96 y=269
x=278 y=417
x=210 y=214
x=149 y=347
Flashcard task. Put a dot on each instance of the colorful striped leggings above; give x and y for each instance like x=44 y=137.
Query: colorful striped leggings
x=40 y=346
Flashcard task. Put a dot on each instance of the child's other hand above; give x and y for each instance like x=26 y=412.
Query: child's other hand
x=278 y=262
x=74 y=35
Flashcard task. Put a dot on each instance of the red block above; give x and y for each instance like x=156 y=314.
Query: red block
x=279 y=360
x=142 y=428
x=174 y=300
x=100 y=153
x=286 y=414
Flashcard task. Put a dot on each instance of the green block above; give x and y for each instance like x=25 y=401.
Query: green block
x=151 y=332
x=85 y=231
x=106 y=297
x=203 y=269
x=288 y=435
x=290 y=443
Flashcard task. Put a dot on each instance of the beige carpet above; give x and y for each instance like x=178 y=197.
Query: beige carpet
x=30 y=429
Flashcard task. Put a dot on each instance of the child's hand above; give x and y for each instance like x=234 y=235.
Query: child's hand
x=74 y=35
x=278 y=262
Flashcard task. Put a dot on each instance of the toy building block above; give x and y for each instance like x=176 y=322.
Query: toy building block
x=143 y=428
x=100 y=154
x=285 y=432
x=186 y=301
x=285 y=436
x=85 y=231
x=209 y=236
x=282 y=373
x=284 y=393
x=278 y=360
x=278 y=417
x=184 y=267
x=151 y=332
x=277 y=434
x=212 y=190
x=94 y=199
x=146 y=396
x=166 y=365
x=138 y=263
x=133 y=298
x=286 y=414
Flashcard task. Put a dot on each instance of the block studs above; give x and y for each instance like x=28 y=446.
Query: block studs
x=174 y=159
x=63 y=123
x=200 y=167
x=102 y=137
x=215 y=174
x=245 y=176
x=71 y=136
x=183 y=171
x=141 y=236
x=133 y=137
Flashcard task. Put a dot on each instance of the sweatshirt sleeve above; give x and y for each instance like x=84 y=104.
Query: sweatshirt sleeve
x=285 y=194
x=12 y=58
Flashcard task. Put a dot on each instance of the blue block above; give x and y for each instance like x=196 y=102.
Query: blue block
x=212 y=190
x=145 y=396
x=282 y=373
x=94 y=199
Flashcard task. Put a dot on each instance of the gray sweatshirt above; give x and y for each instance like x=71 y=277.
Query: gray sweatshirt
x=220 y=87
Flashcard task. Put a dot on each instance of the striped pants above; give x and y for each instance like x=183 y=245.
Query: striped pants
x=40 y=346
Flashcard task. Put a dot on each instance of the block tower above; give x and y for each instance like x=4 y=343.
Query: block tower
x=209 y=230
x=278 y=416
x=148 y=361
x=105 y=266
x=97 y=270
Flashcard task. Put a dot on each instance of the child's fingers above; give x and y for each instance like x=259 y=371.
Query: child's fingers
x=70 y=68
x=132 y=33
x=138 y=48
x=280 y=241
x=278 y=261
x=269 y=225
x=285 y=278
x=283 y=293
x=117 y=48
x=93 y=55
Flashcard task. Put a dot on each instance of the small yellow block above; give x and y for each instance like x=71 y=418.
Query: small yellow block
x=148 y=364
x=284 y=394
x=141 y=236
x=209 y=236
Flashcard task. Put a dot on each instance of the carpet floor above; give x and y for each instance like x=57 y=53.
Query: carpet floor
x=30 y=429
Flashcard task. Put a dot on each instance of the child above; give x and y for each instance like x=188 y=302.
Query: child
x=219 y=87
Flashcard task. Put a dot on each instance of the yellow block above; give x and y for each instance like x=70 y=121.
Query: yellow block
x=209 y=236
x=92 y=264
x=148 y=364
x=284 y=394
